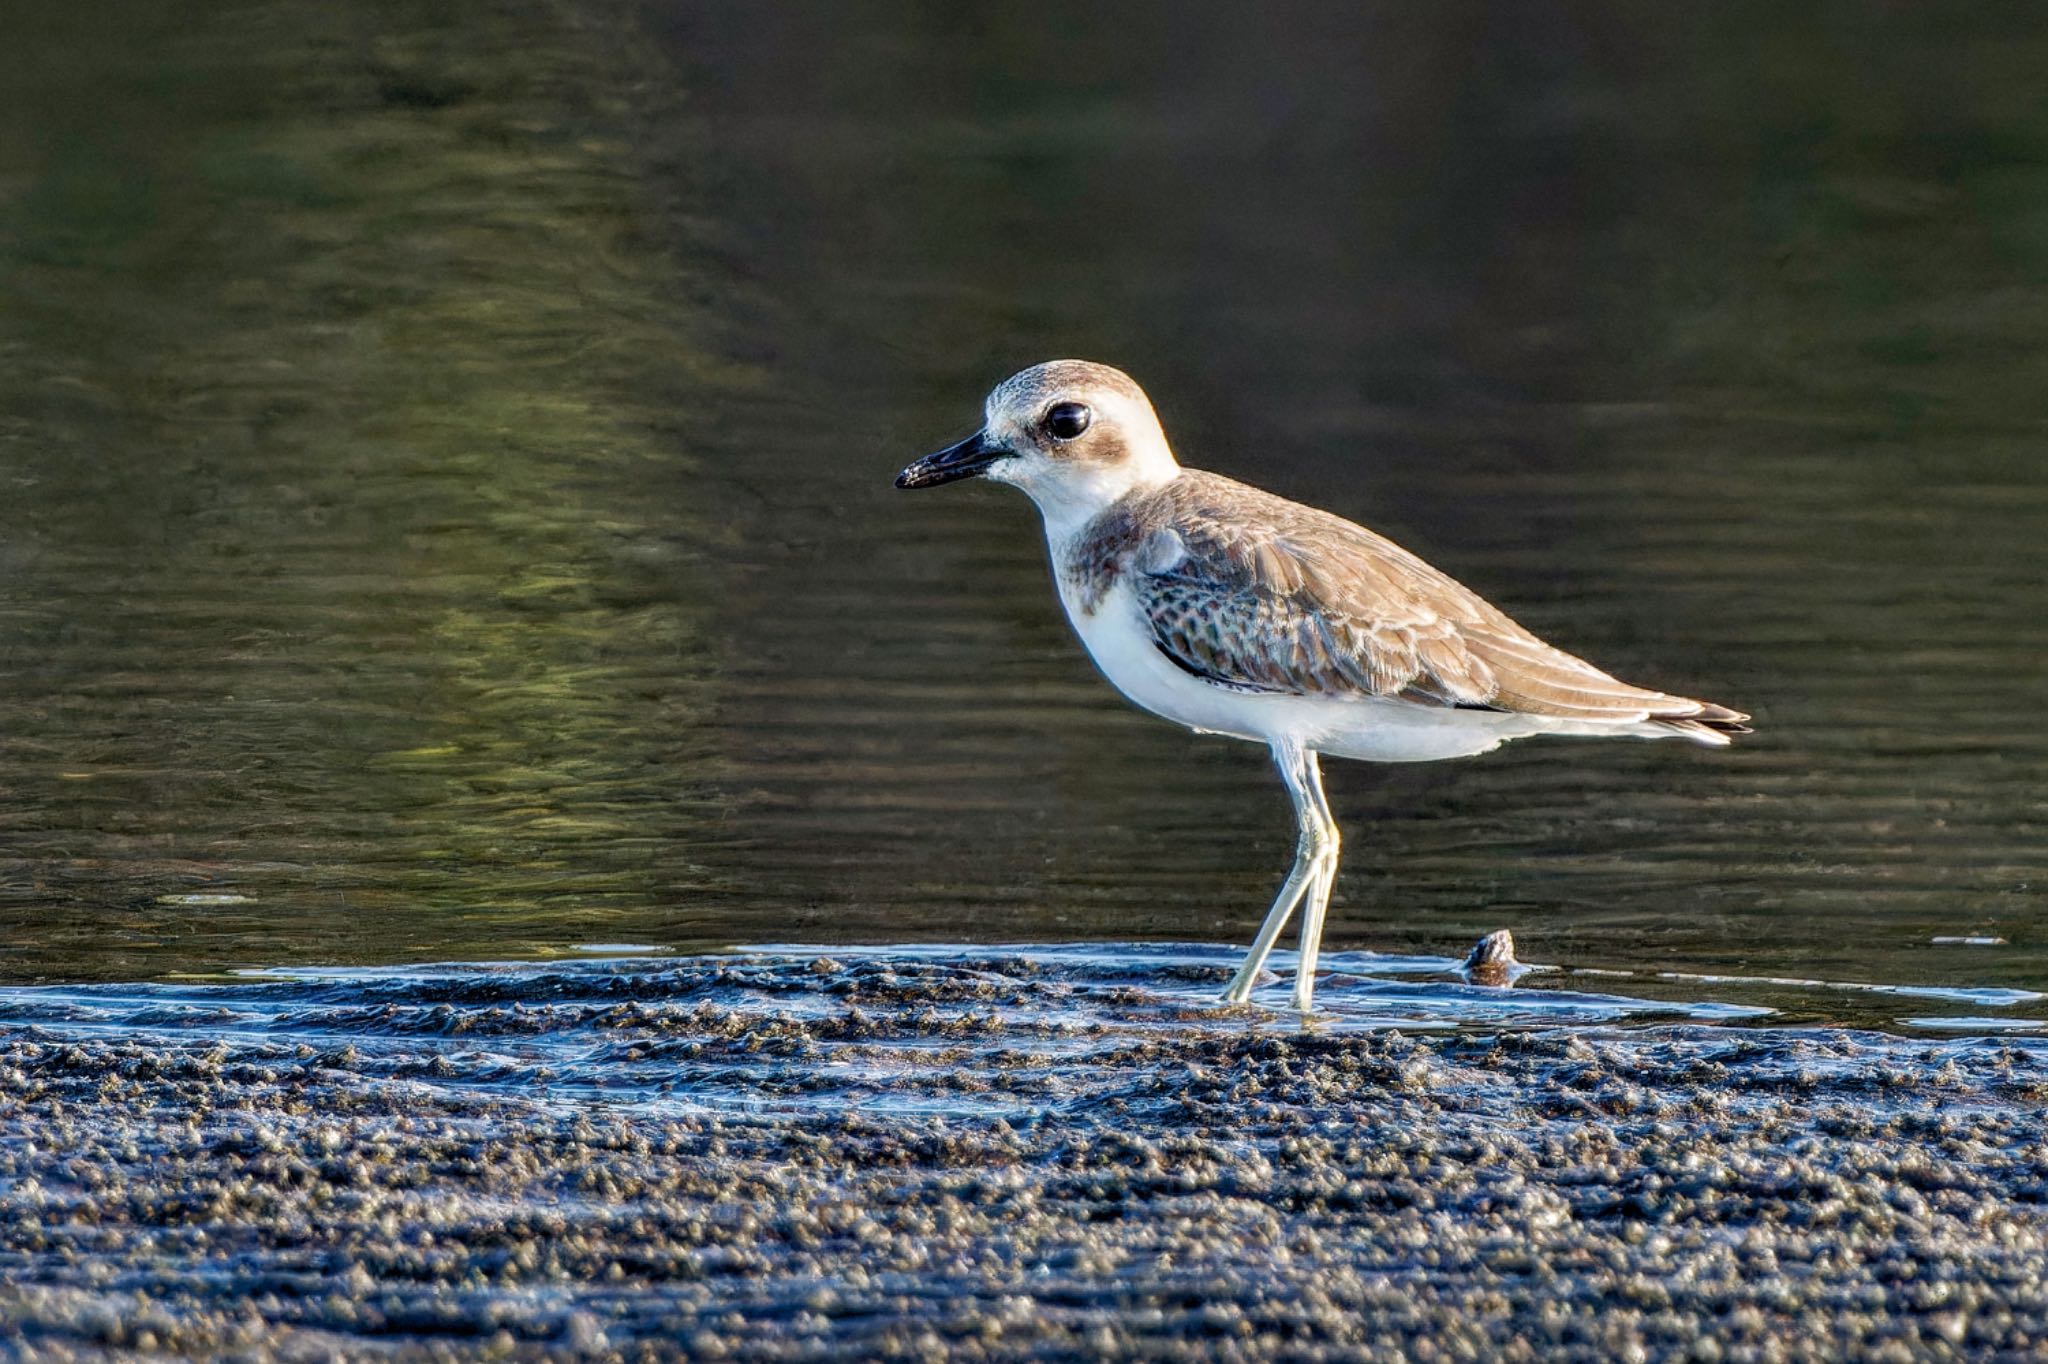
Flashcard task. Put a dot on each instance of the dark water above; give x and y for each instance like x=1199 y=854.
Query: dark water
x=444 y=455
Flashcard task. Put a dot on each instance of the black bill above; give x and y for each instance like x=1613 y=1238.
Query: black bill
x=968 y=459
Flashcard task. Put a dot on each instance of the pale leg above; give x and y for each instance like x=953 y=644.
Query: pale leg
x=1316 y=904
x=1314 y=850
x=1313 y=905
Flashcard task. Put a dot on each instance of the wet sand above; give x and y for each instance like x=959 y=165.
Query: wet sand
x=989 y=1154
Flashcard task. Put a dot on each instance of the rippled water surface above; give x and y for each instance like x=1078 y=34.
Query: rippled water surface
x=955 y=1032
x=948 y=1033
x=444 y=507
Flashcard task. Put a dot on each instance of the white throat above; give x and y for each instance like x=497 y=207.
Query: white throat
x=1070 y=495
x=1070 y=505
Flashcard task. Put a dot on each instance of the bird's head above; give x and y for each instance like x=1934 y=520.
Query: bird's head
x=1074 y=435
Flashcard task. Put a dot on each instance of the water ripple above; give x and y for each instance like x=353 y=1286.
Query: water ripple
x=966 y=1031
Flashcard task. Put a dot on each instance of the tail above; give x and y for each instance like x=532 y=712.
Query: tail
x=1703 y=722
x=1534 y=678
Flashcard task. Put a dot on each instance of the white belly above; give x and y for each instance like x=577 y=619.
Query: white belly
x=1120 y=642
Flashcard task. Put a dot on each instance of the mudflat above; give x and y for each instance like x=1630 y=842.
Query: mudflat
x=782 y=1155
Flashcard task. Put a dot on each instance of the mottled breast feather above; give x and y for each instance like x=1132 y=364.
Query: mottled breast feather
x=1259 y=594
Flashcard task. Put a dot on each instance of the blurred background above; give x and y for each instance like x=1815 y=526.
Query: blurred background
x=445 y=457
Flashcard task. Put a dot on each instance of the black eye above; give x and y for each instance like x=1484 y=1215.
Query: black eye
x=1067 y=420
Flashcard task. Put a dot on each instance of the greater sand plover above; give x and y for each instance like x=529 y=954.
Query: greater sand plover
x=1235 y=612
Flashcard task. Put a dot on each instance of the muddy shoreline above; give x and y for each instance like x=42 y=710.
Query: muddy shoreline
x=788 y=1157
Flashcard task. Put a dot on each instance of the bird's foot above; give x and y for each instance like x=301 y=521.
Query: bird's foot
x=1239 y=991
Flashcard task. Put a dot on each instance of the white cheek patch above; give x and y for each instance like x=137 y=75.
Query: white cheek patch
x=1020 y=471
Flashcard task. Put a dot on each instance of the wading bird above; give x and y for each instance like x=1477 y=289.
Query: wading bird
x=1231 y=611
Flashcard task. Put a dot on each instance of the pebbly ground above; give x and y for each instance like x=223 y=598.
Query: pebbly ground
x=1009 y=1156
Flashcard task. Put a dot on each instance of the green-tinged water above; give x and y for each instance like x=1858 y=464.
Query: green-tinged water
x=354 y=600
x=445 y=455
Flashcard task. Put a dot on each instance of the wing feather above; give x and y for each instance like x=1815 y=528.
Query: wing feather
x=1256 y=593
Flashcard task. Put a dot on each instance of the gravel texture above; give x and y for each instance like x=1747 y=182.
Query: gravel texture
x=1001 y=1156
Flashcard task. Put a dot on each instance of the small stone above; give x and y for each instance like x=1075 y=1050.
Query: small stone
x=1492 y=960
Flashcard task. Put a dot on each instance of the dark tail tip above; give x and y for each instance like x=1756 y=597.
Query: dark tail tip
x=1721 y=719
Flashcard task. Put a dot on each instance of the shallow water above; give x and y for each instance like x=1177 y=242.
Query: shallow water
x=982 y=1032
x=444 y=508
x=1005 y=1153
x=969 y=1033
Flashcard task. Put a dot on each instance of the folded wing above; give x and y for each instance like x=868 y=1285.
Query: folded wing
x=1258 y=594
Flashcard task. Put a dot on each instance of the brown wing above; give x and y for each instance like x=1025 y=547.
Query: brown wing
x=1257 y=593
